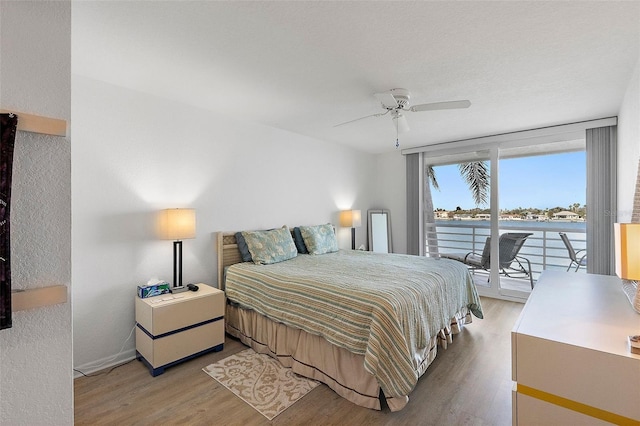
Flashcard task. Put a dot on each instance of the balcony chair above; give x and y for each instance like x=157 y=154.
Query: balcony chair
x=579 y=260
x=511 y=265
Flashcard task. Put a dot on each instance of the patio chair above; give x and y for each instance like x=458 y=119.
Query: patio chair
x=511 y=265
x=579 y=260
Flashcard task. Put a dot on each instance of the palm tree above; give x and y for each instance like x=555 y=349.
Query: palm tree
x=475 y=173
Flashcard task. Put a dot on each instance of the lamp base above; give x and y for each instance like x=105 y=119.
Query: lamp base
x=353 y=238
x=179 y=289
x=632 y=290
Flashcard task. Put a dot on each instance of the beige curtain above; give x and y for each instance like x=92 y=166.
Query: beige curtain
x=601 y=199
x=414 y=230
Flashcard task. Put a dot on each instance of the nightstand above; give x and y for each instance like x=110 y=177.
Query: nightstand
x=173 y=328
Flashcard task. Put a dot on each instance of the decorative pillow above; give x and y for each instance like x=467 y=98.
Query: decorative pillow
x=297 y=238
x=243 y=248
x=271 y=246
x=319 y=239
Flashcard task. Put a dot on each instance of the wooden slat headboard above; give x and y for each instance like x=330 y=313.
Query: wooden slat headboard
x=228 y=254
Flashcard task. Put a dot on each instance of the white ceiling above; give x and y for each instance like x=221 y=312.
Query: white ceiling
x=307 y=66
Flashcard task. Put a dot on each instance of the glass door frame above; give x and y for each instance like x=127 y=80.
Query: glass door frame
x=494 y=289
x=566 y=134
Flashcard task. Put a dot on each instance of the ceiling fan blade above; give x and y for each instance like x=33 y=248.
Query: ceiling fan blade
x=403 y=126
x=387 y=100
x=362 y=118
x=441 y=105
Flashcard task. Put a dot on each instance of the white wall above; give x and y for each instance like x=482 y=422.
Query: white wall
x=36 y=385
x=135 y=154
x=390 y=193
x=628 y=146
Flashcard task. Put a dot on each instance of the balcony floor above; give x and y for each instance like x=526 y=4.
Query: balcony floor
x=480 y=278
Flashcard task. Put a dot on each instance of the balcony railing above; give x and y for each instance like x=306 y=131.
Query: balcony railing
x=544 y=249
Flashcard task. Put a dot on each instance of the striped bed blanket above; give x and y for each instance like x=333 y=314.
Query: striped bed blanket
x=383 y=306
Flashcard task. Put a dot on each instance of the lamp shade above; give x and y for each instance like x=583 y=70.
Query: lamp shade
x=177 y=224
x=627 y=242
x=350 y=218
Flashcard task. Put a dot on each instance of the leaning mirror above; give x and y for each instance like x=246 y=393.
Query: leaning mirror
x=379 y=230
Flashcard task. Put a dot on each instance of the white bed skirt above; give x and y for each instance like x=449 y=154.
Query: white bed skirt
x=313 y=357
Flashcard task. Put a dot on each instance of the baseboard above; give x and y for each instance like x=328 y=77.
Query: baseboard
x=104 y=363
x=488 y=292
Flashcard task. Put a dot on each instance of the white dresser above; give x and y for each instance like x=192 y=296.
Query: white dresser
x=571 y=362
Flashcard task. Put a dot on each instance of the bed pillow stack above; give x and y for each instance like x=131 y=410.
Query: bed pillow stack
x=268 y=247
x=319 y=239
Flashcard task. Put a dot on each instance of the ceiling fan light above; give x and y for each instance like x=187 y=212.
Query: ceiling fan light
x=400 y=121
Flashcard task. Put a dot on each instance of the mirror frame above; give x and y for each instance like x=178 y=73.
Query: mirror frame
x=386 y=212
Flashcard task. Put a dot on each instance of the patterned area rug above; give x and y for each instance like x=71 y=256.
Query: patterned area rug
x=260 y=381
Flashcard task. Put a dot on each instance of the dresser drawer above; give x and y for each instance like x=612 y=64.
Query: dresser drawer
x=176 y=346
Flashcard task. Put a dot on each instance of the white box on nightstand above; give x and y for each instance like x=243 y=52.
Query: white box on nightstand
x=172 y=328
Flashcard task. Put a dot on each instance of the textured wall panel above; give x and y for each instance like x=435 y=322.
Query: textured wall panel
x=36 y=381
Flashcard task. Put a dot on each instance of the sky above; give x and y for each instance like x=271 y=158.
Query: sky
x=544 y=181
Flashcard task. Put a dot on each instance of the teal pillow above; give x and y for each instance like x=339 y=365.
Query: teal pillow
x=272 y=246
x=319 y=239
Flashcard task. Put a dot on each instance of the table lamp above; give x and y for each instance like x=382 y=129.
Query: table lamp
x=177 y=225
x=627 y=245
x=351 y=219
x=627 y=237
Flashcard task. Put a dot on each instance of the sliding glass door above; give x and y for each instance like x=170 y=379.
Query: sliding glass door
x=542 y=195
x=458 y=210
x=510 y=204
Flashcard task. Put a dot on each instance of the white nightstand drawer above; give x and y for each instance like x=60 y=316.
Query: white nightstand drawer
x=176 y=346
x=176 y=327
x=170 y=312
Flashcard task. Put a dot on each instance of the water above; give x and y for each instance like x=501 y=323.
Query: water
x=464 y=230
x=517 y=224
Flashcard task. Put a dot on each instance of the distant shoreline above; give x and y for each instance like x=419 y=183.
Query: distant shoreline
x=480 y=223
x=475 y=219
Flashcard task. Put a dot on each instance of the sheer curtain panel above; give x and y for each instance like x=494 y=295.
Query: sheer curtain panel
x=601 y=199
x=415 y=243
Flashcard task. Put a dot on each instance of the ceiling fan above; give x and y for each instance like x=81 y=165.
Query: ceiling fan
x=395 y=102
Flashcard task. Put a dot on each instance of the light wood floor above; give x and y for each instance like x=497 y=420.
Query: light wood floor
x=467 y=384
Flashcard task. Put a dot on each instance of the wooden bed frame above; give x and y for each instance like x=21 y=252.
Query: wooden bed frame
x=228 y=254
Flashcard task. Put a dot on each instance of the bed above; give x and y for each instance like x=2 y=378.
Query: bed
x=366 y=324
